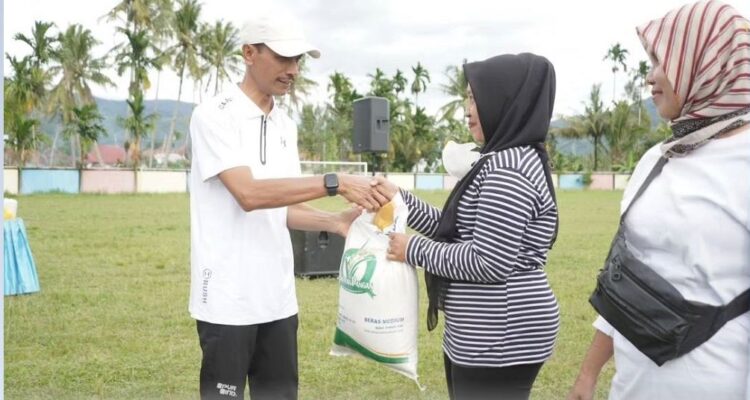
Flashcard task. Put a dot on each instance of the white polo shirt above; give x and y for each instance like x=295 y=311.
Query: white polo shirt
x=242 y=267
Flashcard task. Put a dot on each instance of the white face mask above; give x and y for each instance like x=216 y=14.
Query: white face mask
x=458 y=158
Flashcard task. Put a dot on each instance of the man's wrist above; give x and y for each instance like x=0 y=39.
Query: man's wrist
x=342 y=184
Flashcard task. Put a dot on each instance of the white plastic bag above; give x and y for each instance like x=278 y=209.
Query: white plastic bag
x=378 y=299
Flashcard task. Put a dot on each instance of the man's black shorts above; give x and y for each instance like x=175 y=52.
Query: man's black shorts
x=263 y=354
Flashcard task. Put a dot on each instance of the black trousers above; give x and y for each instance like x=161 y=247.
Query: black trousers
x=263 y=354
x=479 y=383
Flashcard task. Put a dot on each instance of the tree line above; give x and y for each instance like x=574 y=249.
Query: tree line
x=54 y=82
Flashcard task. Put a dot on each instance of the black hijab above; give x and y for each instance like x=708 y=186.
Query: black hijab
x=515 y=95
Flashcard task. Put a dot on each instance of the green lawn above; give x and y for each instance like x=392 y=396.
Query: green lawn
x=111 y=319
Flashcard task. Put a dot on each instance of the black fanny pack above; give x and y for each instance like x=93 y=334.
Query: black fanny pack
x=647 y=310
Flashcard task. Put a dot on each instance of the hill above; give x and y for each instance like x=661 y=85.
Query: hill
x=115 y=110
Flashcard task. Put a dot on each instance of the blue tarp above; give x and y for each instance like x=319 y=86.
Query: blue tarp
x=18 y=264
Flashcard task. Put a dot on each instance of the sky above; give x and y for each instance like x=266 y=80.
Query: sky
x=355 y=37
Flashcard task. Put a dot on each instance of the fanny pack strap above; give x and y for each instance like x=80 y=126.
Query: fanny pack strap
x=654 y=172
x=738 y=306
x=723 y=314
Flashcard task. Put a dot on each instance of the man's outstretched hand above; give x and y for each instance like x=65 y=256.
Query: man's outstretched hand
x=362 y=191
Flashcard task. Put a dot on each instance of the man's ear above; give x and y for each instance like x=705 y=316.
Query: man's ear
x=249 y=52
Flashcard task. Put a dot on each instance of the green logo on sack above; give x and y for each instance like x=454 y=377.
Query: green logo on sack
x=357 y=268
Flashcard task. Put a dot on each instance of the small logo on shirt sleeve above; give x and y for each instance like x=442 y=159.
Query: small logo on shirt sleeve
x=225 y=102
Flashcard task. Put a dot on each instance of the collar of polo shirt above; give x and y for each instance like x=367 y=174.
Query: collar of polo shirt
x=250 y=110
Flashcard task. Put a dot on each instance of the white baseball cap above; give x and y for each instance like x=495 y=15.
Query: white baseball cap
x=280 y=32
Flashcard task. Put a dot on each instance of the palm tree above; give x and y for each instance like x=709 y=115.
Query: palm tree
x=314 y=139
x=28 y=87
x=399 y=82
x=456 y=89
x=163 y=34
x=138 y=124
x=593 y=123
x=220 y=47
x=146 y=24
x=380 y=85
x=137 y=15
x=24 y=93
x=78 y=69
x=301 y=87
x=640 y=79
x=623 y=135
x=20 y=94
x=40 y=42
x=340 y=112
x=419 y=84
x=406 y=151
x=342 y=93
x=185 y=53
x=427 y=140
x=617 y=55
x=138 y=57
x=21 y=138
x=87 y=124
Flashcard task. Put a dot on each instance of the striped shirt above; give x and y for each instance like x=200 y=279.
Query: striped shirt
x=499 y=308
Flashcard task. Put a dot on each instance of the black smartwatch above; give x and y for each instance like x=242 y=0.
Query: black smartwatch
x=331 y=183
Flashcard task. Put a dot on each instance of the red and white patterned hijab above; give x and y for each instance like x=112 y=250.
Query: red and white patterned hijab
x=704 y=50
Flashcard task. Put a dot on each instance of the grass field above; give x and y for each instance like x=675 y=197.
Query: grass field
x=111 y=319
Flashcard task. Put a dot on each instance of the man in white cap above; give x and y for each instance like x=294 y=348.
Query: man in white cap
x=245 y=193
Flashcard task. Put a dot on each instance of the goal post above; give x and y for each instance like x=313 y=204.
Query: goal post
x=323 y=167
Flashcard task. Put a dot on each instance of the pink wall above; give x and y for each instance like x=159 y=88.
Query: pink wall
x=107 y=181
x=602 y=182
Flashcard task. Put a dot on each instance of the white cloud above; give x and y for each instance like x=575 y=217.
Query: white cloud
x=358 y=36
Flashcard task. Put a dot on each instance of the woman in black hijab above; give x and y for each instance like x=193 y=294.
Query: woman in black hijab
x=484 y=253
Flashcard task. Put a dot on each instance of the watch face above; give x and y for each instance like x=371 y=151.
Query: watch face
x=331 y=181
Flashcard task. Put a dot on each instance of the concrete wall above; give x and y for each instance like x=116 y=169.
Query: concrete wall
x=49 y=180
x=571 y=182
x=404 y=181
x=34 y=180
x=162 y=181
x=107 y=181
x=621 y=181
x=449 y=182
x=10 y=180
x=602 y=182
x=429 y=181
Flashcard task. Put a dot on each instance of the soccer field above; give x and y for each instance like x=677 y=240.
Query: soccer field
x=111 y=318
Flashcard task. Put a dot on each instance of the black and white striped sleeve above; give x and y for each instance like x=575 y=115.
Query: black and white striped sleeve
x=423 y=217
x=505 y=206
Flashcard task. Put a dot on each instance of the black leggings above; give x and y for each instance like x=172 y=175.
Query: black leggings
x=475 y=383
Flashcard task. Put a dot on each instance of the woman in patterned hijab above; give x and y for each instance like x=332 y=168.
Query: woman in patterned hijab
x=703 y=50
x=692 y=224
